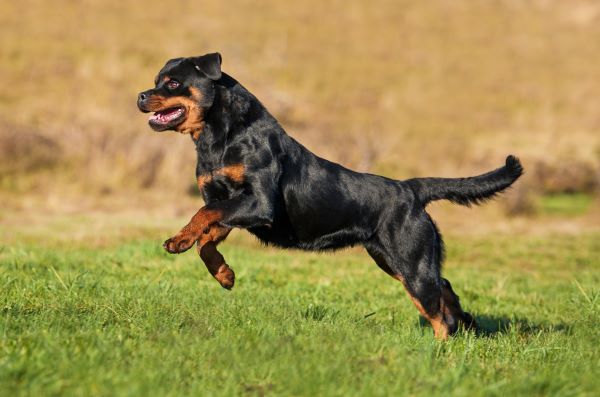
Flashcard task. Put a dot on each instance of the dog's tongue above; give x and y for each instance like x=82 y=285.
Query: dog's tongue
x=164 y=116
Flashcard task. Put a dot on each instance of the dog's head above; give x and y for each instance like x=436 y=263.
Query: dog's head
x=184 y=90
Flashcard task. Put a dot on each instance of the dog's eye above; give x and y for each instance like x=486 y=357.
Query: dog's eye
x=173 y=84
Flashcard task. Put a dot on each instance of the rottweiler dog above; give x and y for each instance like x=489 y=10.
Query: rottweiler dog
x=254 y=176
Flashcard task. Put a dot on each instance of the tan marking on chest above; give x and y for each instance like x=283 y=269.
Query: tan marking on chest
x=203 y=180
x=234 y=172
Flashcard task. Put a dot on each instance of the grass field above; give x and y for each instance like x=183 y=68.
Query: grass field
x=120 y=317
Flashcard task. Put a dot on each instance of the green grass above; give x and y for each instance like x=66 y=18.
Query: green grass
x=126 y=319
x=565 y=204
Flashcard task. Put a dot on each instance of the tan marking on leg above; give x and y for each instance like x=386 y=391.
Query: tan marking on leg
x=202 y=220
x=400 y=278
x=216 y=233
x=214 y=261
x=193 y=231
x=440 y=329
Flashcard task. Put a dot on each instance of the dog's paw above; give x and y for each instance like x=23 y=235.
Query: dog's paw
x=178 y=244
x=225 y=276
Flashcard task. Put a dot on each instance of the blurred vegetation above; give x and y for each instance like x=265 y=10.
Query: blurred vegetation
x=565 y=204
x=402 y=88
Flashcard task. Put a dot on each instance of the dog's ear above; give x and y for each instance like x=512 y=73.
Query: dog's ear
x=209 y=64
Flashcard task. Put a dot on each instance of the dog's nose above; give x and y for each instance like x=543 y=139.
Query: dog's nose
x=141 y=102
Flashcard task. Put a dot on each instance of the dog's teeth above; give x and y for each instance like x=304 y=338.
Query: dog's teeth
x=166 y=115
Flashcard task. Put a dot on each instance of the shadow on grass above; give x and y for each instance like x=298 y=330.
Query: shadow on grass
x=489 y=326
x=493 y=325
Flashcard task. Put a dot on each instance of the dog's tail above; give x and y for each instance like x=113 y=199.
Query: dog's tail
x=467 y=191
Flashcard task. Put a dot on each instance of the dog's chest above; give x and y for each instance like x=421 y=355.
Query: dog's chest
x=222 y=182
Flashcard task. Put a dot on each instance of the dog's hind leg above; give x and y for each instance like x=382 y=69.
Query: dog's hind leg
x=452 y=303
x=411 y=253
x=424 y=290
x=214 y=261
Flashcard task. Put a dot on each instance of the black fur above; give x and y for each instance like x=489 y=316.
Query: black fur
x=292 y=198
x=467 y=191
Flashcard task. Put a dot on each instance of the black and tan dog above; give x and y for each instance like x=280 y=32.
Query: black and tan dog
x=254 y=176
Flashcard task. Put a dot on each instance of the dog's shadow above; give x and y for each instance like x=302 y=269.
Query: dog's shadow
x=490 y=326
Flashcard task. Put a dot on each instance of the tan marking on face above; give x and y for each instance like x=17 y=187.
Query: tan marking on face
x=157 y=103
x=196 y=133
x=194 y=121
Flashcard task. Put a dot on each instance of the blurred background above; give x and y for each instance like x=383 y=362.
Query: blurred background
x=399 y=88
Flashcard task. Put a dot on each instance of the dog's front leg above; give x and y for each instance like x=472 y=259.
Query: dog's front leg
x=242 y=211
x=190 y=233
x=214 y=261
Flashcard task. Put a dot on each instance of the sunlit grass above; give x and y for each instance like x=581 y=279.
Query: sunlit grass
x=128 y=319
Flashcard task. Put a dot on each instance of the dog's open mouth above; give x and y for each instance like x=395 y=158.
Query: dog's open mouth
x=168 y=118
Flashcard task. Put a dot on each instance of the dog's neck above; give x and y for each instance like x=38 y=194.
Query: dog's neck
x=232 y=114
